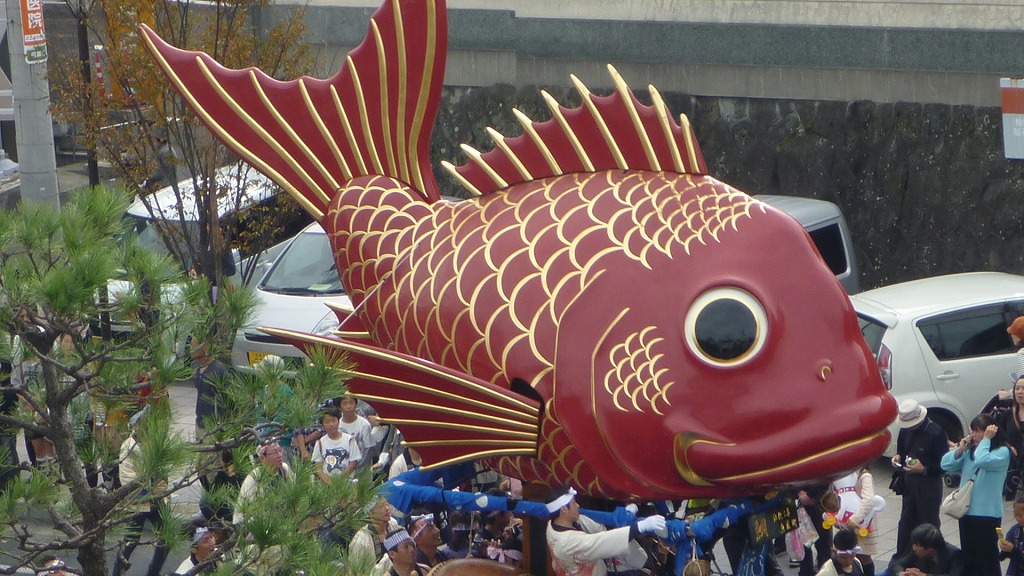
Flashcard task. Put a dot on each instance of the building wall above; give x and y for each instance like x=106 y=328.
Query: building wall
x=945 y=52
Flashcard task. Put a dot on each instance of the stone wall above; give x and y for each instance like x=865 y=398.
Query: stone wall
x=924 y=187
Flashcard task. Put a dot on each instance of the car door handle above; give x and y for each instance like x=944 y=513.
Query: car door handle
x=947 y=376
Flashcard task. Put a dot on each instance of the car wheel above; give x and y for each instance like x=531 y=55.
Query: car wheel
x=949 y=423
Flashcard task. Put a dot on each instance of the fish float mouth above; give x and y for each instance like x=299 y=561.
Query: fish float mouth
x=692 y=453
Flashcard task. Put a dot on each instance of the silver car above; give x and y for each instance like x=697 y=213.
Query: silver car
x=293 y=295
x=942 y=341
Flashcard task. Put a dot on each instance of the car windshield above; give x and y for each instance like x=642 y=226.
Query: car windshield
x=305 y=268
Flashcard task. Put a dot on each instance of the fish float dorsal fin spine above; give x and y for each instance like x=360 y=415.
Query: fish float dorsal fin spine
x=374 y=116
x=604 y=133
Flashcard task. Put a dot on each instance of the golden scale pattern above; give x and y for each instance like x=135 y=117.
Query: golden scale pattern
x=514 y=245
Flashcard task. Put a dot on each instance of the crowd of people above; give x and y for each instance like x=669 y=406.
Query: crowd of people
x=988 y=461
x=350 y=437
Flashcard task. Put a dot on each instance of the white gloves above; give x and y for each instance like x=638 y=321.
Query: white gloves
x=632 y=509
x=652 y=525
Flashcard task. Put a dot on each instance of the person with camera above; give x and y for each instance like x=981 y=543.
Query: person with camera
x=984 y=458
x=920 y=446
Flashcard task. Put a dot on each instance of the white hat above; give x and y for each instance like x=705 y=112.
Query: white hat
x=911 y=414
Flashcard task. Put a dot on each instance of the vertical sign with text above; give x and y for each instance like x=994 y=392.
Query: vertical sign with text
x=1012 y=91
x=35 y=35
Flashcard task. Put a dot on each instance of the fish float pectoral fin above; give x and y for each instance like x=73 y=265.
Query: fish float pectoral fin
x=448 y=416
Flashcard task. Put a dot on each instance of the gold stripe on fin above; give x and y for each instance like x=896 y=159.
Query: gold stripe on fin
x=538 y=141
x=462 y=181
x=641 y=131
x=556 y=111
x=613 y=145
x=499 y=140
x=666 y=128
x=474 y=155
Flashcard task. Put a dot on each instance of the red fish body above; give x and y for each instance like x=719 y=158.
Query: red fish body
x=678 y=338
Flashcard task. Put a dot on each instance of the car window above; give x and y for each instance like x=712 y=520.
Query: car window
x=872 y=330
x=306 y=267
x=150 y=233
x=829 y=241
x=965 y=334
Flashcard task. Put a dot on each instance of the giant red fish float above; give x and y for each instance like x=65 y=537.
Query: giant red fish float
x=602 y=313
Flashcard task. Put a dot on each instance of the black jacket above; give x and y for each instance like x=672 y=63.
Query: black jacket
x=927 y=444
x=948 y=562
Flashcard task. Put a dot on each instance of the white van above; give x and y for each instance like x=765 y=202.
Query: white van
x=250 y=196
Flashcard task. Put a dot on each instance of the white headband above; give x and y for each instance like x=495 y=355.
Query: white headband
x=556 y=504
x=200 y=532
x=395 y=538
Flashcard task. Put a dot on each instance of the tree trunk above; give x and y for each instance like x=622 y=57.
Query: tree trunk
x=93 y=504
x=92 y=558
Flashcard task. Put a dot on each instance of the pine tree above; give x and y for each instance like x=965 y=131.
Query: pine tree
x=53 y=265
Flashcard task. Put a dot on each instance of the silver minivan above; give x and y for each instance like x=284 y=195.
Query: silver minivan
x=827 y=227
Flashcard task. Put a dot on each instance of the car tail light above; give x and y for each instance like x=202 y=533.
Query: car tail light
x=885 y=365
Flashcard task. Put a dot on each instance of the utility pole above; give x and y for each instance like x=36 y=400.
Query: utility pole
x=36 y=154
x=82 y=18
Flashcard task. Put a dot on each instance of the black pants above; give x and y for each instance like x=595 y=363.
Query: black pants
x=135 y=526
x=822 y=546
x=978 y=541
x=922 y=496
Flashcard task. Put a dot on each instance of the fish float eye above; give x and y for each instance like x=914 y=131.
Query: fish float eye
x=726 y=327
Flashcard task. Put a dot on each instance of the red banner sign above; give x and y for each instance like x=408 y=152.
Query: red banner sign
x=1012 y=91
x=34 y=34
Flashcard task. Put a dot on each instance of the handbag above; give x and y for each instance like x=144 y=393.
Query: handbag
x=898 y=482
x=696 y=566
x=958 y=501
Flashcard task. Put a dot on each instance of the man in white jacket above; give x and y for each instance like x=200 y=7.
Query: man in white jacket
x=272 y=465
x=580 y=546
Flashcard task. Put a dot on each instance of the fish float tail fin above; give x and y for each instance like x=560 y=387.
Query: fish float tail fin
x=310 y=136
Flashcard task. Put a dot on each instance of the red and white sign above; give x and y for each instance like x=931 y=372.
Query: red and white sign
x=1012 y=90
x=34 y=33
